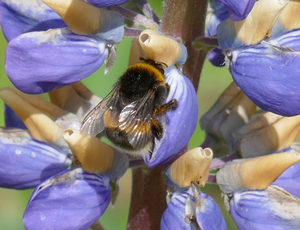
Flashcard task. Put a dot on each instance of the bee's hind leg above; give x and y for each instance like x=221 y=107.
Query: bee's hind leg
x=171 y=105
x=157 y=129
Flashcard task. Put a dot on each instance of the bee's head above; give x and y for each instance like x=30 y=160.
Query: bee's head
x=158 y=65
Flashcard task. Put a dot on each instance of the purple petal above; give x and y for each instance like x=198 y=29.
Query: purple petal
x=40 y=62
x=272 y=208
x=113 y=28
x=25 y=163
x=18 y=17
x=216 y=57
x=290 y=180
x=12 y=120
x=183 y=213
x=180 y=123
x=208 y=214
x=217 y=12
x=238 y=9
x=104 y=3
x=268 y=74
x=73 y=199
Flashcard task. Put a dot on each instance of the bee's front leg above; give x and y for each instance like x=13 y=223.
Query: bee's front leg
x=171 y=105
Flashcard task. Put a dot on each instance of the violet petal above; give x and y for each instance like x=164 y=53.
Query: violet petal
x=180 y=123
x=18 y=17
x=216 y=57
x=183 y=213
x=272 y=208
x=72 y=199
x=40 y=62
x=12 y=120
x=268 y=73
x=290 y=179
x=217 y=12
x=238 y=9
x=104 y=3
x=25 y=163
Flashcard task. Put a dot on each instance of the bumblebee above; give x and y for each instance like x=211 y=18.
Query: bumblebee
x=129 y=115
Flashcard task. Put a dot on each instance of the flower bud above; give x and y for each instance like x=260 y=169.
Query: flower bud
x=273 y=208
x=232 y=110
x=94 y=155
x=288 y=19
x=266 y=133
x=68 y=99
x=25 y=163
x=191 y=167
x=72 y=199
x=85 y=93
x=254 y=173
x=37 y=114
x=40 y=62
x=162 y=49
x=18 y=17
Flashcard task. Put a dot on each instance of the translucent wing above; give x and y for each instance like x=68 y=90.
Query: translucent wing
x=93 y=123
x=136 y=120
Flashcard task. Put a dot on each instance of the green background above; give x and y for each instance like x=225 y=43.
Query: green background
x=213 y=81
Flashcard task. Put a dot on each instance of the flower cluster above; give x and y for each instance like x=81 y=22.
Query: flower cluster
x=59 y=146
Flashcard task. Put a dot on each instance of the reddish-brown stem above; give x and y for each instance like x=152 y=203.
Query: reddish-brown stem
x=148 y=198
x=186 y=19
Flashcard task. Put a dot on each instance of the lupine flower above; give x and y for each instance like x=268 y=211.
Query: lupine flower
x=188 y=207
x=181 y=122
x=248 y=43
x=191 y=209
x=217 y=12
x=72 y=199
x=269 y=90
x=264 y=209
x=54 y=44
x=251 y=198
x=72 y=53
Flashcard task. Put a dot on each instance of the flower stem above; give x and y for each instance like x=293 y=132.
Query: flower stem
x=220 y=162
x=148 y=198
x=186 y=19
x=139 y=18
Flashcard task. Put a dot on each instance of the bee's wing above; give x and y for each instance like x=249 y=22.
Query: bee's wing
x=93 y=122
x=136 y=120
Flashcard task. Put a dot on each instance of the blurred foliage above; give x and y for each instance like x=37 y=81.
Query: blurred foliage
x=213 y=81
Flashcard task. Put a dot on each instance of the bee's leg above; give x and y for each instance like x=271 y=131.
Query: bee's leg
x=167 y=88
x=157 y=129
x=166 y=107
